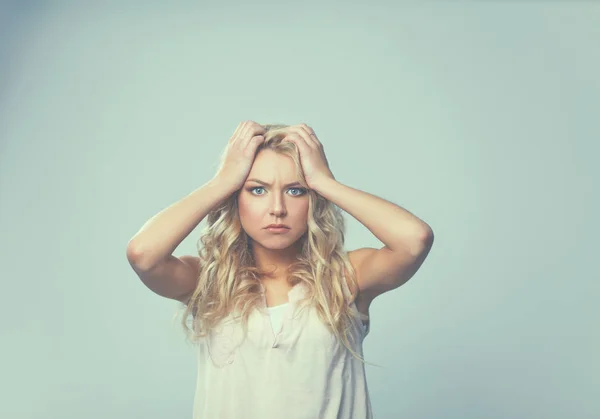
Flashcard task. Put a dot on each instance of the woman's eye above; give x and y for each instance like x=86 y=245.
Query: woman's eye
x=301 y=191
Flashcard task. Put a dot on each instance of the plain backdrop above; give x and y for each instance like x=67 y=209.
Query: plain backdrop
x=479 y=117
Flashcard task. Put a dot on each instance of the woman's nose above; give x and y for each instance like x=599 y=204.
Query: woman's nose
x=279 y=211
x=277 y=206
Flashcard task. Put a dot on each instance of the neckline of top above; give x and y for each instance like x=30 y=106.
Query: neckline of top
x=279 y=305
x=295 y=293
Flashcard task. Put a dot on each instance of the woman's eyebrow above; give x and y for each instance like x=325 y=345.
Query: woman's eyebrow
x=268 y=184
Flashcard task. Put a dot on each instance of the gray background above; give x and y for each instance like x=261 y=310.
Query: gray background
x=479 y=117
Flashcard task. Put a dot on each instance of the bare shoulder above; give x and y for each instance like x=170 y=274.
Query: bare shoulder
x=382 y=270
x=362 y=301
x=192 y=261
x=356 y=257
x=174 y=277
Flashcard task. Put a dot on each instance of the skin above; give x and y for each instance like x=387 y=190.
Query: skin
x=260 y=205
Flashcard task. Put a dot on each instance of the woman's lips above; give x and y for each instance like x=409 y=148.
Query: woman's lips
x=277 y=229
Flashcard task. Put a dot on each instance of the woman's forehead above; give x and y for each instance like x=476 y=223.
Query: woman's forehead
x=271 y=166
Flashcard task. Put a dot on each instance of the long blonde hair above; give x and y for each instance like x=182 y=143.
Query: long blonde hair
x=229 y=278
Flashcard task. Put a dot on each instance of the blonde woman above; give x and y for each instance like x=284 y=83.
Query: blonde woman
x=278 y=314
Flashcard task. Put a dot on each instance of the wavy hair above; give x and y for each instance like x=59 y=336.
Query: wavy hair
x=230 y=280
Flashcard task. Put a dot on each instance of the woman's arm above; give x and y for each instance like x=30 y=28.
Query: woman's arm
x=161 y=235
x=407 y=239
x=396 y=227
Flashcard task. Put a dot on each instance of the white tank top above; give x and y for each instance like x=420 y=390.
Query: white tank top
x=276 y=315
x=289 y=366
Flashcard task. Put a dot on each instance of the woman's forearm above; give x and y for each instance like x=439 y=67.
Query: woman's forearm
x=396 y=227
x=160 y=236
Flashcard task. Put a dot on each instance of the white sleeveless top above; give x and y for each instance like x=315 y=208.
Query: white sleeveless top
x=276 y=315
x=289 y=366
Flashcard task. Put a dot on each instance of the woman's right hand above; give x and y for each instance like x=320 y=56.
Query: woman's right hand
x=238 y=157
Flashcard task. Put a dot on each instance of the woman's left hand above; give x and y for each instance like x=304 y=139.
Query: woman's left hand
x=312 y=156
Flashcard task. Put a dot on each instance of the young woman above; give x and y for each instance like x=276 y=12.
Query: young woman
x=279 y=312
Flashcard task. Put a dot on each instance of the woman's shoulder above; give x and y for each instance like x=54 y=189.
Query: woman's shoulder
x=355 y=257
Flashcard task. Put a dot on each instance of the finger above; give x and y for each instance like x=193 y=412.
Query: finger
x=259 y=129
x=237 y=131
x=297 y=139
x=305 y=133
x=250 y=130
x=242 y=133
x=311 y=134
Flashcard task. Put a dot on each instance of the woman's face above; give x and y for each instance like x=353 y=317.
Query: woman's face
x=279 y=200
